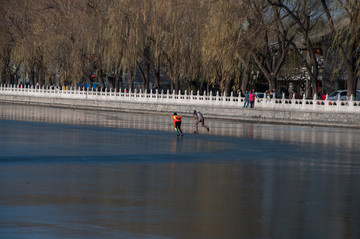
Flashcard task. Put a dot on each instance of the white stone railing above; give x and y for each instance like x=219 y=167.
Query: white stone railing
x=184 y=98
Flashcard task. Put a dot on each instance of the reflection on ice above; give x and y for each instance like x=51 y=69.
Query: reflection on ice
x=343 y=137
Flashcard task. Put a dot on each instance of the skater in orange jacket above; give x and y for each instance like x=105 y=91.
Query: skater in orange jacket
x=177 y=124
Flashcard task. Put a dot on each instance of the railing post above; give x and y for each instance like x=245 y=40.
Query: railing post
x=303 y=101
x=283 y=99
x=338 y=103
x=326 y=102
x=293 y=100
x=314 y=100
x=350 y=106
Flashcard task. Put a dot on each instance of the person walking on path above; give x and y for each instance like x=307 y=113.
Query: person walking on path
x=199 y=118
x=177 y=124
x=246 y=101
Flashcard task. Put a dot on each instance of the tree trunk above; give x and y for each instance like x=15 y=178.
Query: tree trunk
x=131 y=80
x=157 y=78
x=226 y=86
x=41 y=75
x=208 y=85
x=117 y=81
x=176 y=84
x=351 y=82
x=244 y=80
x=157 y=74
x=271 y=81
x=32 y=76
x=145 y=73
x=146 y=76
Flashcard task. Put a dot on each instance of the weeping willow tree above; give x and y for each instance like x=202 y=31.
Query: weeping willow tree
x=191 y=68
x=221 y=43
x=60 y=31
x=21 y=46
x=118 y=31
x=174 y=38
x=6 y=45
x=144 y=40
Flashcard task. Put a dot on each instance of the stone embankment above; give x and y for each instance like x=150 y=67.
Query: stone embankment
x=284 y=111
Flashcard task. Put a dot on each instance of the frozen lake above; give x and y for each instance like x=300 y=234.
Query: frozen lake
x=92 y=174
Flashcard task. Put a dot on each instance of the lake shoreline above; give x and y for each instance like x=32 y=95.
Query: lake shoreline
x=254 y=115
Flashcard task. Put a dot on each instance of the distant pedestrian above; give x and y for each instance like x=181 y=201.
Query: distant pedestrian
x=177 y=124
x=274 y=93
x=246 y=101
x=323 y=96
x=252 y=99
x=199 y=118
x=238 y=93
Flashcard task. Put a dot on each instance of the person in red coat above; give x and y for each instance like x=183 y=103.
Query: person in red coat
x=252 y=99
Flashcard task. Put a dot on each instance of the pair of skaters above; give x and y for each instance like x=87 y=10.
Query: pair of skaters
x=197 y=115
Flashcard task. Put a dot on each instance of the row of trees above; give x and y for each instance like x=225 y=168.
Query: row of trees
x=195 y=43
